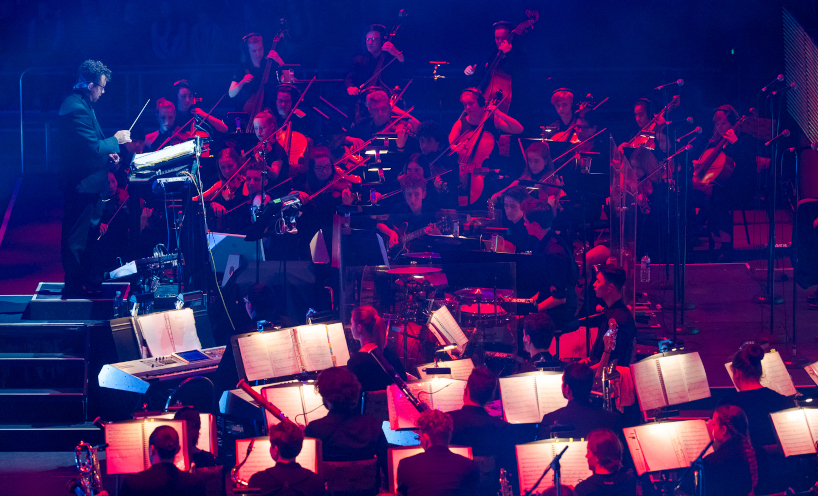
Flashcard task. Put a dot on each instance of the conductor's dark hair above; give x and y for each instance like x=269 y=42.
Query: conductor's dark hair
x=615 y=275
x=481 y=383
x=91 y=71
x=580 y=379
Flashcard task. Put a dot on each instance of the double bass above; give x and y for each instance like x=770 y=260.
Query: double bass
x=498 y=80
x=254 y=104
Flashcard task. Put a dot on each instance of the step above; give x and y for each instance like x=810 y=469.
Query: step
x=48 y=303
x=41 y=356
x=48 y=437
x=56 y=393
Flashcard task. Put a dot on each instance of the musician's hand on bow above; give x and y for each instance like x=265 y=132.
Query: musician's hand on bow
x=346 y=197
x=353 y=90
x=469 y=70
x=440 y=186
x=355 y=143
x=123 y=137
x=389 y=48
x=403 y=134
x=218 y=210
x=274 y=55
x=248 y=78
x=103 y=228
x=460 y=147
x=198 y=112
x=505 y=46
x=731 y=136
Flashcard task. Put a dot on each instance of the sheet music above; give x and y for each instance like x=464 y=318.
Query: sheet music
x=446 y=394
x=775 y=374
x=398 y=454
x=812 y=371
x=402 y=414
x=283 y=353
x=461 y=369
x=666 y=445
x=314 y=344
x=205 y=441
x=635 y=448
x=811 y=415
x=693 y=436
x=260 y=458
x=181 y=460
x=573 y=464
x=518 y=396
x=443 y=319
x=313 y=403
x=255 y=357
x=695 y=376
x=125 y=453
x=793 y=430
x=684 y=378
x=648 y=385
x=338 y=343
x=533 y=458
x=170 y=332
x=288 y=400
x=549 y=393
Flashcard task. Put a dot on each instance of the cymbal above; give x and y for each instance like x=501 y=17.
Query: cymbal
x=485 y=294
x=422 y=254
x=410 y=271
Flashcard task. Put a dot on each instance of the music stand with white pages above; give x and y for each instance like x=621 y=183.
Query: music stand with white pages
x=395 y=455
x=533 y=458
x=669 y=379
x=128 y=450
x=259 y=458
x=797 y=430
x=527 y=397
x=666 y=445
x=775 y=376
x=445 y=395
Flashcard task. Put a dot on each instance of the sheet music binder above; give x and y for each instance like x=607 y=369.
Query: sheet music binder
x=775 y=377
x=547 y=396
x=666 y=445
x=310 y=404
x=670 y=379
x=395 y=455
x=128 y=450
x=533 y=458
x=260 y=459
x=445 y=395
x=797 y=430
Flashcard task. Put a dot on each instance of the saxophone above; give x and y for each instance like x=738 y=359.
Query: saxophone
x=90 y=479
x=234 y=473
x=505 y=485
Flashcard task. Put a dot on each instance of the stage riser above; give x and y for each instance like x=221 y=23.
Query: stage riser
x=33 y=439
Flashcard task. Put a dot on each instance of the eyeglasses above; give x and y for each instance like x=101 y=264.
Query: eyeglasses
x=372 y=38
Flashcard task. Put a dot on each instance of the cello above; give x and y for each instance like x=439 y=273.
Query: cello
x=714 y=166
x=253 y=104
x=499 y=81
x=473 y=148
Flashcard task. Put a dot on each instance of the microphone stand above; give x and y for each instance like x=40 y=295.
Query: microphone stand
x=373 y=350
x=555 y=465
x=698 y=464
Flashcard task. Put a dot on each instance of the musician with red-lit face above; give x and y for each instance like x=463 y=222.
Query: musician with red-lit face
x=166 y=117
x=186 y=107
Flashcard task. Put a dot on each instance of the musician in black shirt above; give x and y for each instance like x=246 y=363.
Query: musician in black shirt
x=370 y=329
x=247 y=78
x=411 y=215
x=379 y=53
x=538 y=333
x=610 y=281
x=193 y=422
x=286 y=442
x=605 y=461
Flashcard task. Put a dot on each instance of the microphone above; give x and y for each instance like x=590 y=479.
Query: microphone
x=780 y=77
x=782 y=134
x=680 y=82
x=798 y=149
x=698 y=130
x=689 y=120
x=790 y=86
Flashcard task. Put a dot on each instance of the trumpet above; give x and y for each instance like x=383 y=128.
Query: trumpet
x=90 y=479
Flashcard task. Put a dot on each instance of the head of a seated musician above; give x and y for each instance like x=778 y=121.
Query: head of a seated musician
x=414 y=191
x=375 y=38
x=641 y=112
x=414 y=169
x=228 y=163
x=586 y=125
x=429 y=137
x=165 y=115
x=728 y=422
x=538 y=333
x=502 y=32
x=563 y=102
x=480 y=387
x=193 y=424
x=747 y=369
x=254 y=53
x=609 y=283
x=538 y=217
x=367 y=326
x=260 y=303
x=474 y=104
x=264 y=124
x=538 y=157
x=92 y=78
x=725 y=115
x=254 y=178
x=577 y=382
x=110 y=186
x=321 y=163
x=435 y=429
x=339 y=389
x=185 y=96
x=164 y=444
x=513 y=199
x=377 y=103
x=604 y=452
x=286 y=96
x=286 y=441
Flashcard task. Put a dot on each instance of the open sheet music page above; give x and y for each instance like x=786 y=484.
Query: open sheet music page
x=666 y=445
x=288 y=400
x=260 y=458
x=338 y=342
x=775 y=376
x=125 y=453
x=684 y=378
x=461 y=369
x=526 y=398
x=797 y=429
x=255 y=357
x=549 y=392
x=445 y=395
x=533 y=458
x=443 y=321
x=314 y=344
x=170 y=332
x=398 y=454
x=648 y=384
x=283 y=353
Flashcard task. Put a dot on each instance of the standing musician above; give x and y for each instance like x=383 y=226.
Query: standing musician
x=510 y=66
x=563 y=101
x=473 y=137
x=187 y=107
x=166 y=116
x=87 y=157
x=379 y=53
x=247 y=78
x=271 y=154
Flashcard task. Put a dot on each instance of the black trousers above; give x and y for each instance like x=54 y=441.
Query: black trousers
x=82 y=213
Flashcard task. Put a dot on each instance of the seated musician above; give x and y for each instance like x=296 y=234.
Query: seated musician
x=345 y=433
x=513 y=199
x=286 y=441
x=412 y=214
x=735 y=191
x=437 y=471
x=585 y=127
x=187 y=108
x=580 y=417
x=730 y=470
x=608 y=286
x=538 y=333
x=538 y=168
x=368 y=328
x=286 y=96
x=193 y=423
x=271 y=153
x=248 y=76
x=431 y=139
x=166 y=117
x=557 y=295
x=163 y=477
x=379 y=52
x=643 y=114
x=605 y=461
x=255 y=181
x=228 y=202
x=417 y=168
x=381 y=112
x=563 y=101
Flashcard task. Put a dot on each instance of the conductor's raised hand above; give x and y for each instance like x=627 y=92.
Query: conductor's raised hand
x=123 y=136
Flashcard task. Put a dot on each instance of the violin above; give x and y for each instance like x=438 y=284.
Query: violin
x=647 y=135
x=294 y=142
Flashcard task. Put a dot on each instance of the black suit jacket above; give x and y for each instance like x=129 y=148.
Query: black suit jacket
x=437 y=472
x=486 y=435
x=288 y=475
x=584 y=417
x=162 y=479
x=83 y=148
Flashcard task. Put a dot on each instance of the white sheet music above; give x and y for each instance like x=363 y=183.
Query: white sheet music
x=693 y=436
x=125 y=453
x=338 y=342
x=461 y=369
x=794 y=430
x=313 y=403
x=775 y=374
x=648 y=384
x=402 y=414
x=314 y=344
x=255 y=357
x=519 y=398
x=533 y=458
x=170 y=332
x=812 y=371
x=283 y=354
x=288 y=400
x=206 y=432
x=549 y=393
x=684 y=378
x=398 y=454
x=446 y=394
x=260 y=459
x=666 y=445
x=444 y=321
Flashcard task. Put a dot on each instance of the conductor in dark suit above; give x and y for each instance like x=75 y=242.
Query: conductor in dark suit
x=86 y=158
x=163 y=478
x=437 y=471
x=579 y=417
